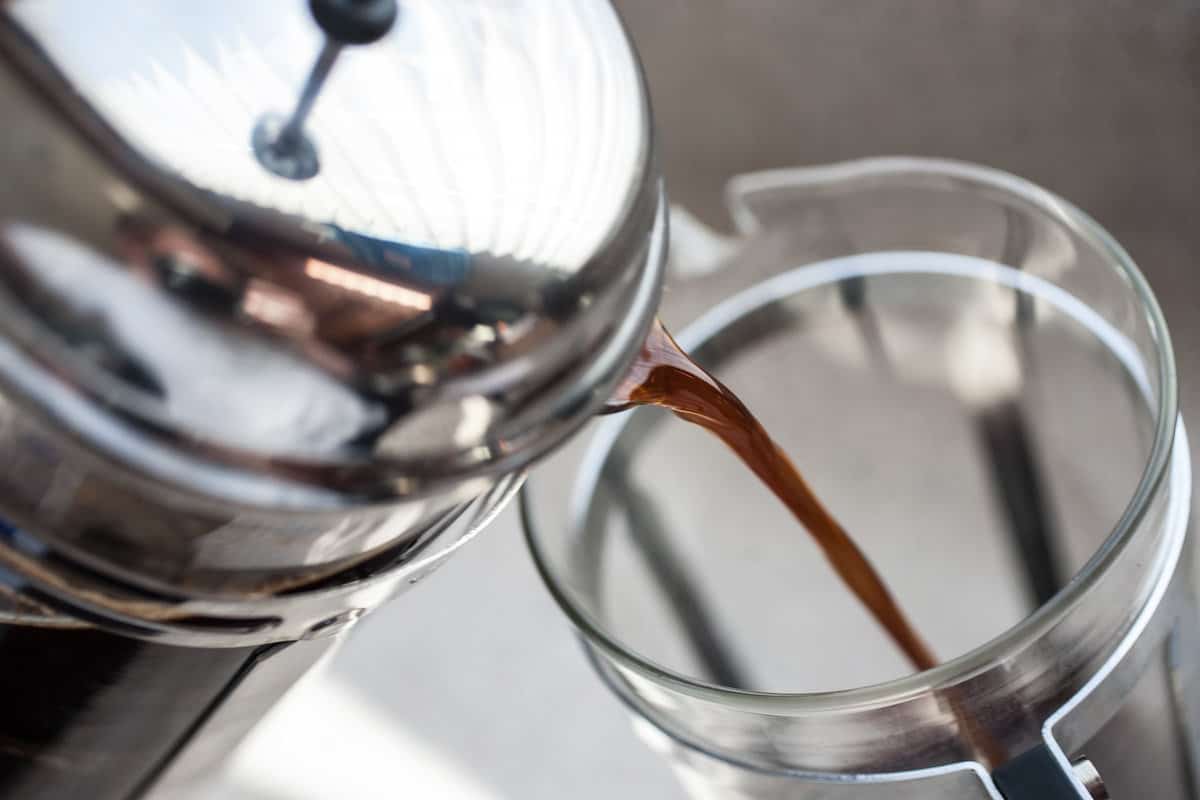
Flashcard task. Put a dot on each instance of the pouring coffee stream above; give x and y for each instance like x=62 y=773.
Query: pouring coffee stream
x=664 y=375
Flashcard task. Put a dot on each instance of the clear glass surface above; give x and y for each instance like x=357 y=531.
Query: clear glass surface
x=976 y=380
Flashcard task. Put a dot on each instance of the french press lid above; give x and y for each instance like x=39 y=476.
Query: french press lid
x=295 y=253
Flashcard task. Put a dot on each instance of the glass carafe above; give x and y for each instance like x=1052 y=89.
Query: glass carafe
x=977 y=380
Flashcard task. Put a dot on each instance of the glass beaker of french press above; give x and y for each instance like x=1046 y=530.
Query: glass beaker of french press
x=978 y=382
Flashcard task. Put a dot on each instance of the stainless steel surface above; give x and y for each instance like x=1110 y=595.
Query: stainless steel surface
x=281 y=145
x=259 y=374
x=47 y=591
x=224 y=383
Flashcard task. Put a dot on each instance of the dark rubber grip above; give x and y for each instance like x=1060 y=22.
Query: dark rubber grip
x=1034 y=775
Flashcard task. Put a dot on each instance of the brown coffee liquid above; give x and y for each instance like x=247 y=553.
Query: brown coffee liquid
x=663 y=375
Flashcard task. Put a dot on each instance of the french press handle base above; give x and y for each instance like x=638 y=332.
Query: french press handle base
x=1037 y=775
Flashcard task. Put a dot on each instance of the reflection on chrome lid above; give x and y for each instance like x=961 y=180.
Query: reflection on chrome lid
x=477 y=232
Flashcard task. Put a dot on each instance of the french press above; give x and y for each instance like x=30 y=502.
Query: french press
x=292 y=293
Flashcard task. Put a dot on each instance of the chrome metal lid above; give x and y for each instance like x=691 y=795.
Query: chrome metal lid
x=455 y=289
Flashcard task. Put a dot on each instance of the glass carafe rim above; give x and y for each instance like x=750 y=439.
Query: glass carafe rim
x=990 y=653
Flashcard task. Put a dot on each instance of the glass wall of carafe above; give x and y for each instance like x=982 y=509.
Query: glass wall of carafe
x=978 y=382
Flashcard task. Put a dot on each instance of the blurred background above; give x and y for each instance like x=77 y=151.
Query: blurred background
x=473 y=686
